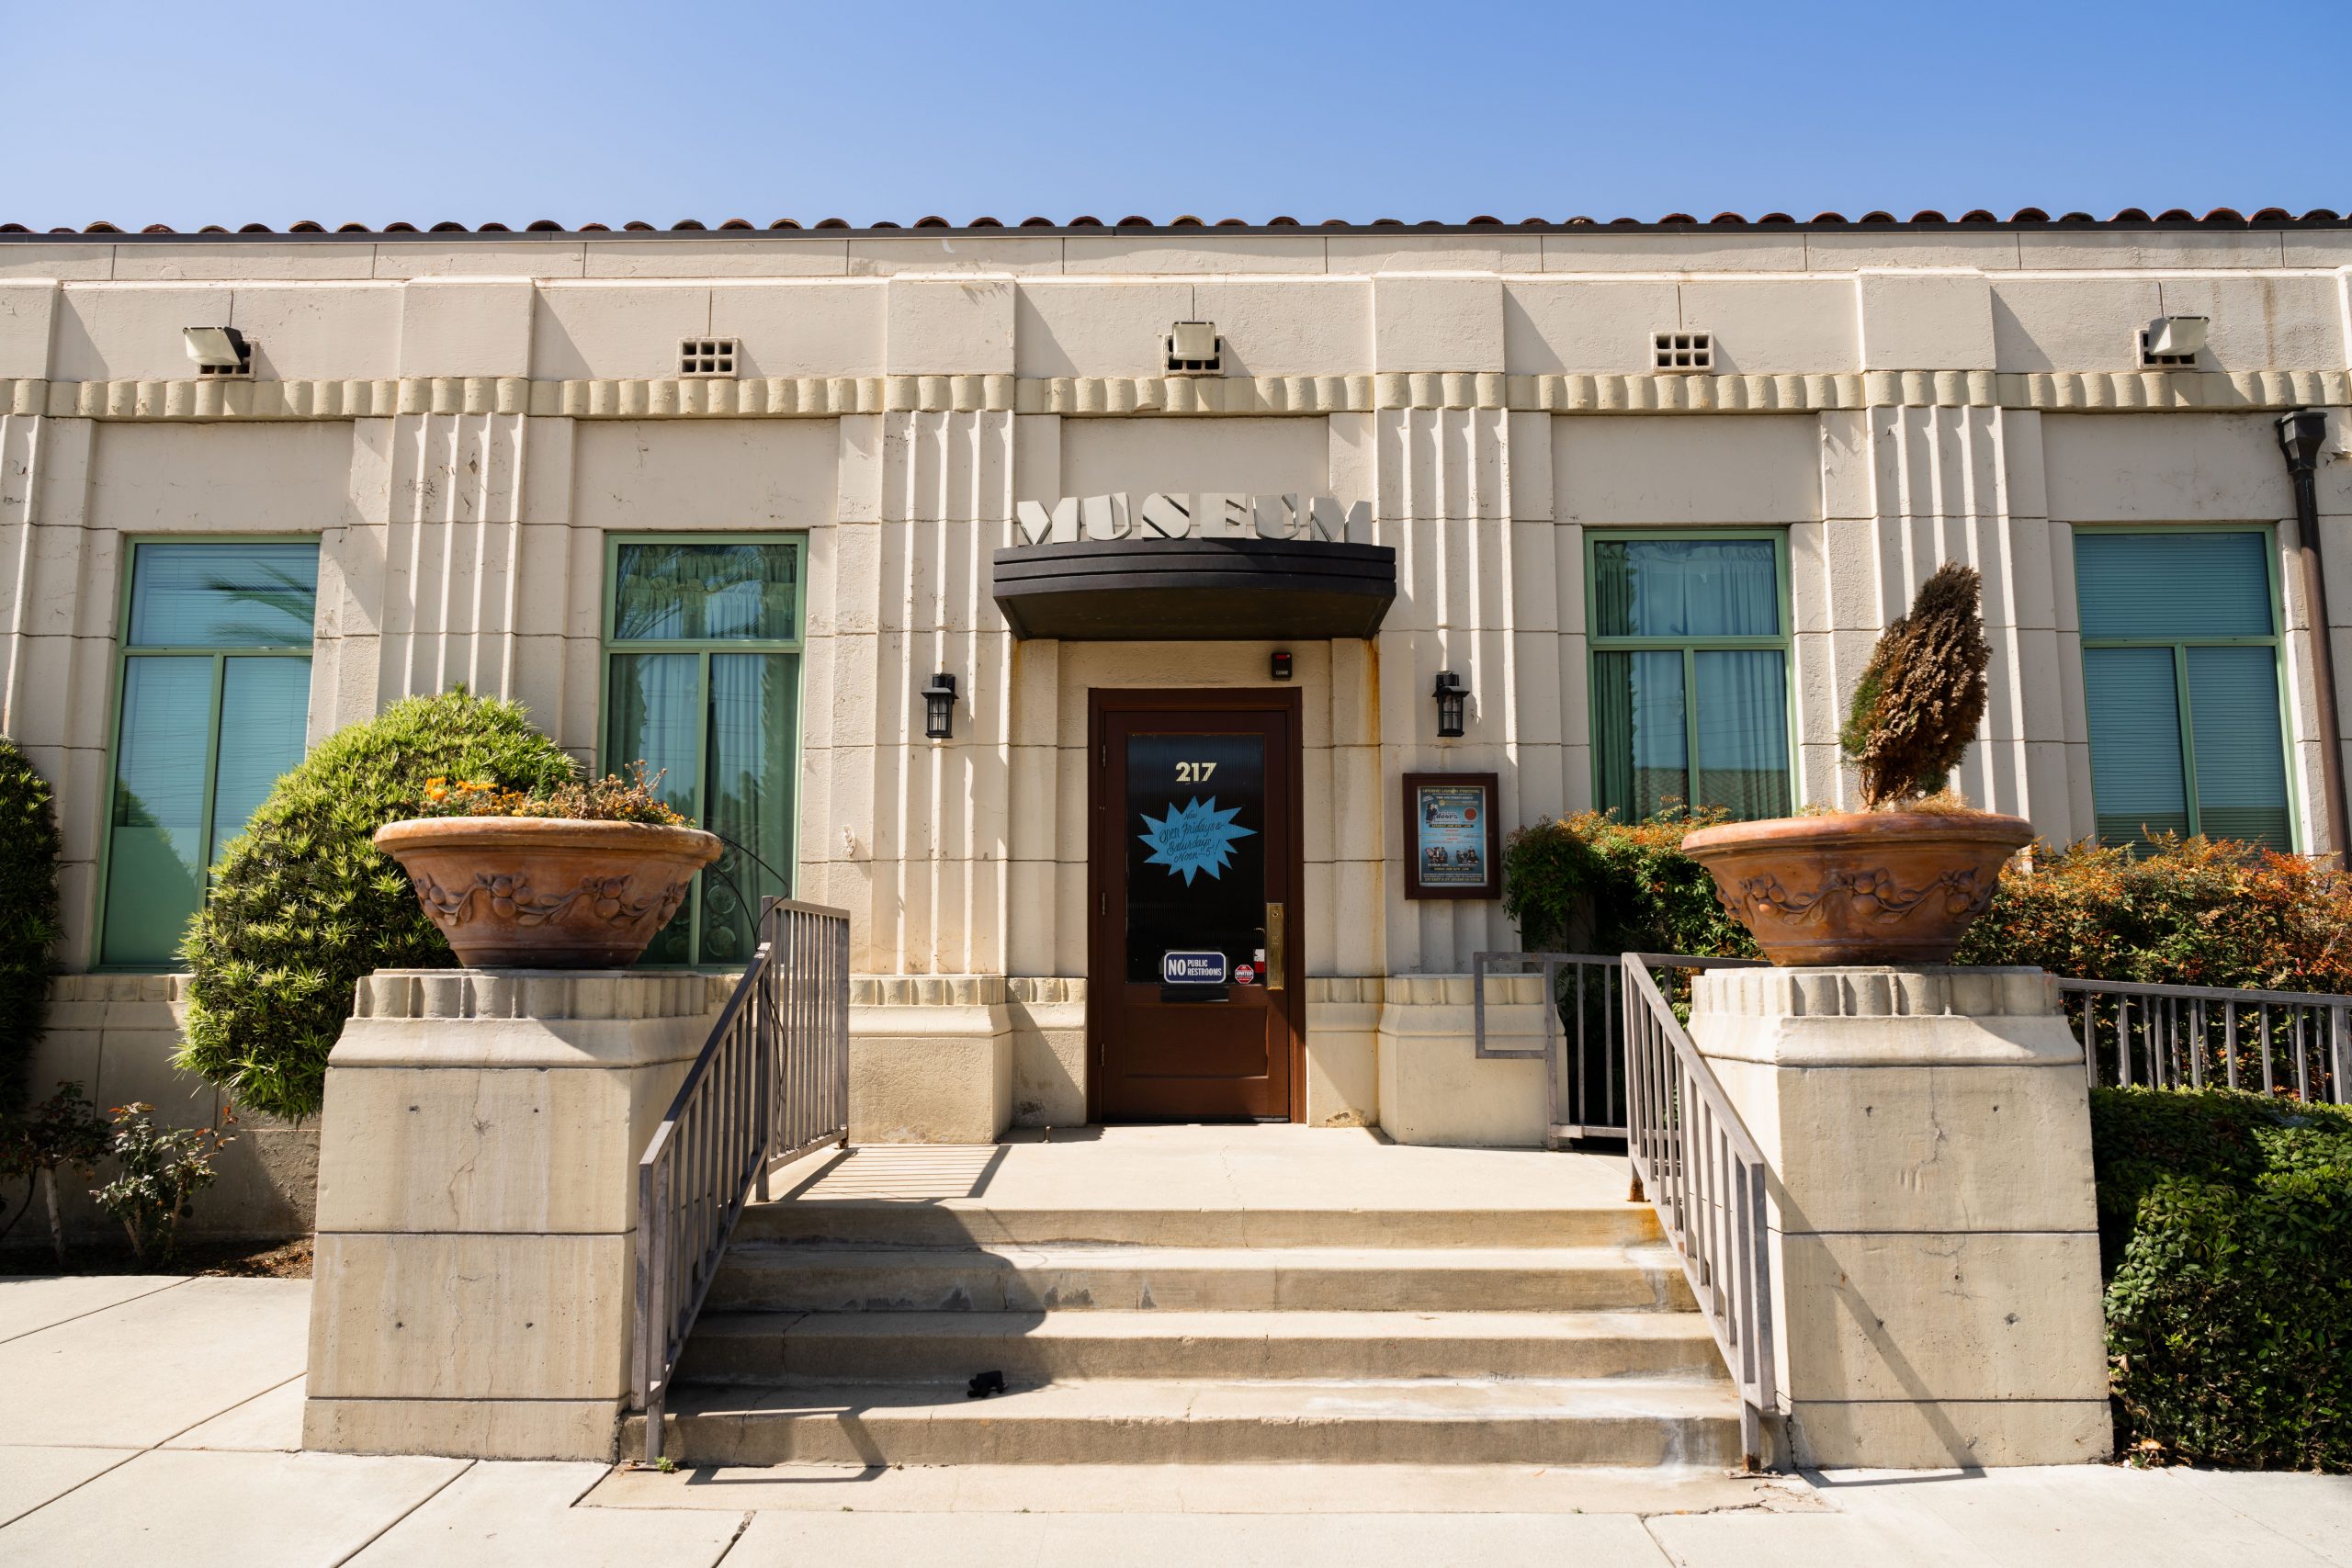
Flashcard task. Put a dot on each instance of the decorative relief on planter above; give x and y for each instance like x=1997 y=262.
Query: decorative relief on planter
x=1897 y=887
x=512 y=897
x=1874 y=894
x=547 y=893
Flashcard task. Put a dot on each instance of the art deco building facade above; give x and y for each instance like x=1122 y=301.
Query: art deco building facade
x=1197 y=521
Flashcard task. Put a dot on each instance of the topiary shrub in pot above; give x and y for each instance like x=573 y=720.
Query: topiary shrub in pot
x=303 y=903
x=1899 y=881
x=579 y=877
x=29 y=849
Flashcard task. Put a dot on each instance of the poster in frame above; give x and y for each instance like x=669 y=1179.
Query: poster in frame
x=1450 y=848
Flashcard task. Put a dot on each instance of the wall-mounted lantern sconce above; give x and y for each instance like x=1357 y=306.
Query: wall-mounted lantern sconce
x=939 y=708
x=1451 y=693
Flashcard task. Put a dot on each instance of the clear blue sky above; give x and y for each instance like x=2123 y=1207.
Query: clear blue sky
x=194 y=112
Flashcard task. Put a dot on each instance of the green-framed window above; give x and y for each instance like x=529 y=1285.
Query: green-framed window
x=2180 y=670
x=1689 y=675
x=212 y=698
x=702 y=680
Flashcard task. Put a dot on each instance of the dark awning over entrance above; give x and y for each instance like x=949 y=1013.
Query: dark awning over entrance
x=1196 y=590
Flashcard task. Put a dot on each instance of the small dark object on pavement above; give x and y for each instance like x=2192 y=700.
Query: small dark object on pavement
x=984 y=1384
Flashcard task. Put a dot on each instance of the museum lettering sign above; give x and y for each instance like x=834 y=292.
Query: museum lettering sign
x=1194 y=566
x=1204 y=514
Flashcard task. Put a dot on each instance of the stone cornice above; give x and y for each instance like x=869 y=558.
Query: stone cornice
x=813 y=397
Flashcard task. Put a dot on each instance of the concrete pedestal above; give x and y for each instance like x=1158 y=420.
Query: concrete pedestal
x=1048 y=1014
x=1434 y=1089
x=930 y=1059
x=1935 y=1239
x=477 y=1206
x=1343 y=1050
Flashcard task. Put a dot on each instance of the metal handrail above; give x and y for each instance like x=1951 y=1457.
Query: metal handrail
x=770 y=1085
x=1697 y=1164
x=1694 y=1161
x=2201 y=1036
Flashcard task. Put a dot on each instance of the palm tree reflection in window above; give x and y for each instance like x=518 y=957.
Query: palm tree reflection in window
x=286 y=606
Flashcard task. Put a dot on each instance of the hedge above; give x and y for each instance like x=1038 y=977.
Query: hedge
x=2183 y=912
x=2226 y=1229
x=303 y=903
x=28 y=851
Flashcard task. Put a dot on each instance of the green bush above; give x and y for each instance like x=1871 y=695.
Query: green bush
x=159 y=1172
x=303 y=903
x=27 y=916
x=2226 y=1225
x=1592 y=884
x=62 y=1131
x=2139 y=1136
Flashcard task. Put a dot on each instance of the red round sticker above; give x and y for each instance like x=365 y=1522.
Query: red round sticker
x=1243 y=974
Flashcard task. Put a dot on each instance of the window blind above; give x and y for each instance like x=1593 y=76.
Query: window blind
x=2180 y=666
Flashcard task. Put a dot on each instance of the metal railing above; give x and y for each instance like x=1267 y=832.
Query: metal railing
x=2288 y=1042
x=1693 y=1159
x=771 y=1083
x=2297 y=1043
x=1584 y=1033
x=1583 y=1052
x=1617 y=1070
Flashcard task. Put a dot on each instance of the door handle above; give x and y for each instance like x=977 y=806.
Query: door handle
x=1273 y=947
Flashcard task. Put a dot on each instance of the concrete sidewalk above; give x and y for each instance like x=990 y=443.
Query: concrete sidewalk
x=157 y=1419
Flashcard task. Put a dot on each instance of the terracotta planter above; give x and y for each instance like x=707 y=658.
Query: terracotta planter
x=545 y=892
x=1897 y=888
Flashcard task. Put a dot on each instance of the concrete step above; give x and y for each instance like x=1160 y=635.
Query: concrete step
x=1037 y=1348
x=886 y=1223
x=796 y=1276
x=1619 y=1421
x=975 y=1491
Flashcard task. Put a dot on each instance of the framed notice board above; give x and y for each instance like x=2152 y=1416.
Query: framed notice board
x=1450 y=848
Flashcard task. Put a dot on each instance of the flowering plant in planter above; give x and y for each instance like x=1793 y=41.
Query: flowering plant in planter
x=581 y=876
x=609 y=799
x=1899 y=881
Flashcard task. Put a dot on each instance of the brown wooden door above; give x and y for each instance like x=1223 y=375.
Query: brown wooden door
x=1196 y=947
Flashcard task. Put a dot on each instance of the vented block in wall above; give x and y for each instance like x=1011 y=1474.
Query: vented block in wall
x=707 y=356
x=242 y=371
x=1682 y=351
x=2151 y=360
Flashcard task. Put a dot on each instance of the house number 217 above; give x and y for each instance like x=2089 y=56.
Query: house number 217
x=1194 y=772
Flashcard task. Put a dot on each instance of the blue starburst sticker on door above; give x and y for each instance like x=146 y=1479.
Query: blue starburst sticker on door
x=1193 y=837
